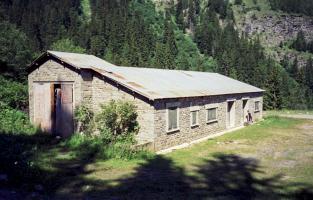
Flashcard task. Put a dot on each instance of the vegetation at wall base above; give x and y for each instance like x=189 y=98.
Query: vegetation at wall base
x=95 y=146
x=107 y=134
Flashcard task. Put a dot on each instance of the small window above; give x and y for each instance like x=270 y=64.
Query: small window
x=194 y=117
x=172 y=118
x=211 y=114
x=257 y=106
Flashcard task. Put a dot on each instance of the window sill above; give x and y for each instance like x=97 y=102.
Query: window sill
x=211 y=121
x=194 y=126
x=172 y=131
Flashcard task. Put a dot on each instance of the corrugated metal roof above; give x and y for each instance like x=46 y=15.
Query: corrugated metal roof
x=81 y=60
x=160 y=83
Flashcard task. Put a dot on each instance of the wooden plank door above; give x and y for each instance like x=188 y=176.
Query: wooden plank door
x=67 y=127
x=42 y=106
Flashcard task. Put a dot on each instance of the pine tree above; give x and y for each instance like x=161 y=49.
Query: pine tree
x=273 y=84
x=96 y=45
x=310 y=46
x=169 y=38
x=197 y=6
x=285 y=62
x=300 y=43
x=180 y=15
x=294 y=70
x=15 y=52
x=308 y=73
x=191 y=15
x=183 y=62
x=207 y=33
x=158 y=60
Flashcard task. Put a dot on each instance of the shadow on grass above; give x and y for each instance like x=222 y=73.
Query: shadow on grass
x=223 y=177
x=21 y=172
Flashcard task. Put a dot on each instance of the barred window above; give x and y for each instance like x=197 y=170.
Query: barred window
x=172 y=118
x=194 y=117
x=211 y=114
x=257 y=106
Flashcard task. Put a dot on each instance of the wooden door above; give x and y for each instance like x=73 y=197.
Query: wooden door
x=245 y=110
x=42 y=106
x=67 y=125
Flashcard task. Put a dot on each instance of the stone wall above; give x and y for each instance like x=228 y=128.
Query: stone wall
x=51 y=71
x=187 y=133
x=92 y=91
x=103 y=91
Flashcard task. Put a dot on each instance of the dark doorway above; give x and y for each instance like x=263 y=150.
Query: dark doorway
x=245 y=110
x=62 y=112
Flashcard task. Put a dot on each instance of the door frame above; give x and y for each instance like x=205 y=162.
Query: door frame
x=245 y=108
x=52 y=110
x=231 y=113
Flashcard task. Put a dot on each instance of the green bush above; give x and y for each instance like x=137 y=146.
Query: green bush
x=85 y=119
x=118 y=117
x=14 y=121
x=13 y=94
x=114 y=130
x=86 y=146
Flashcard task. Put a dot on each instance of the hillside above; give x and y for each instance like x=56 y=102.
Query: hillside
x=277 y=29
x=244 y=39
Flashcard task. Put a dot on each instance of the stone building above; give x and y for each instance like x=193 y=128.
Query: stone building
x=174 y=107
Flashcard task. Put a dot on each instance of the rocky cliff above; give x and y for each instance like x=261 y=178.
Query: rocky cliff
x=276 y=29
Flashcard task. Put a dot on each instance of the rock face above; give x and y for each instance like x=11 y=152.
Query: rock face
x=277 y=28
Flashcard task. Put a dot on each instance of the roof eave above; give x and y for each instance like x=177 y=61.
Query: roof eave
x=220 y=94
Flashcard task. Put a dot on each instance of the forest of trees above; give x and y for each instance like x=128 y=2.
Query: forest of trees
x=301 y=44
x=293 y=6
x=187 y=35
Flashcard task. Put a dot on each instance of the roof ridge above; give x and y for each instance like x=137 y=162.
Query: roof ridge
x=85 y=54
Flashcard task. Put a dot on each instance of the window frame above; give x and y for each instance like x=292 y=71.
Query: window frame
x=258 y=107
x=168 y=106
x=211 y=107
x=193 y=109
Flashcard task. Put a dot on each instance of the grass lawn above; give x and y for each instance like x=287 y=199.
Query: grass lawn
x=272 y=159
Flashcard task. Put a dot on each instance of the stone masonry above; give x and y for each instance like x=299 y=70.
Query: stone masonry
x=53 y=72
x=186 y=133
x=92 y=91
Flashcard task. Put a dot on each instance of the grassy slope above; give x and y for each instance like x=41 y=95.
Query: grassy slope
x=272 y=143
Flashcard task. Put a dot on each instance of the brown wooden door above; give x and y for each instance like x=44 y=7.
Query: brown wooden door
x=42 y=106
x=67 y=122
